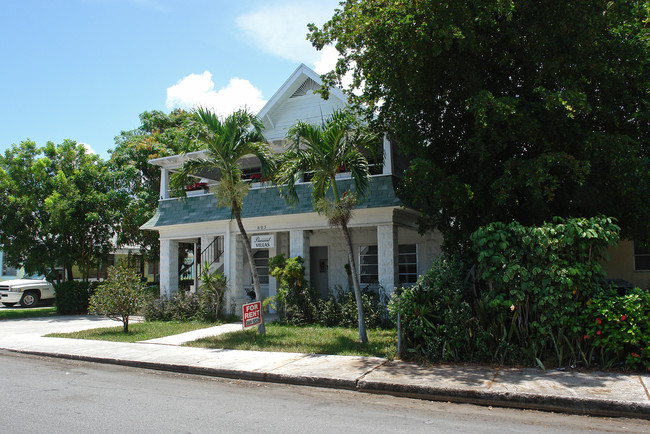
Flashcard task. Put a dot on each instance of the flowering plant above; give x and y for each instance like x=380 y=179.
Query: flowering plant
x=619 y=325
x=196 y=186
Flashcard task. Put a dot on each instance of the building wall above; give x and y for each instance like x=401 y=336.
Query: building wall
x=310 y=108
x=8 y=273
x=621 y=265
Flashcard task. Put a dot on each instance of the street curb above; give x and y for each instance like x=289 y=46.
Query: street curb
x=584 y=406
x=269 y=377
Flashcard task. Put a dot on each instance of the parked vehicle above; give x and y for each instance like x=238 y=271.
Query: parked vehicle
x=26 y=291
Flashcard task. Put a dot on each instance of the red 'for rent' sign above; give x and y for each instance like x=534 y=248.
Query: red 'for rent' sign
x=252 y=314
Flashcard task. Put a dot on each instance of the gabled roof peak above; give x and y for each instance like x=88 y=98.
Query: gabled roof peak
x=303 y=80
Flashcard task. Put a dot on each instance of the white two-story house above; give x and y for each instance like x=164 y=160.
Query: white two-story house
x=388 y=249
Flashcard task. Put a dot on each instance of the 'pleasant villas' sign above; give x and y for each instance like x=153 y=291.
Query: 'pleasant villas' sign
x=262 y=241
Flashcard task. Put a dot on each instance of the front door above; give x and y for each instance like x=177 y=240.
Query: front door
x=319 y=270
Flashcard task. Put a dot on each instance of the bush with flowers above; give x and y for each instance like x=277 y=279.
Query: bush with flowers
x=617 y=328
x=538 y=298
x=545 y=275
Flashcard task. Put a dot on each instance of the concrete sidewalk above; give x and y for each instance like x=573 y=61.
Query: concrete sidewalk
x=594 y=393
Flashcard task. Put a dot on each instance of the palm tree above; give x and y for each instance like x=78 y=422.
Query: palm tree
x=228 y=141
x=323 y=150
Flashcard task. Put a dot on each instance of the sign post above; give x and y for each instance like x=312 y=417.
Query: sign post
x=251 y=314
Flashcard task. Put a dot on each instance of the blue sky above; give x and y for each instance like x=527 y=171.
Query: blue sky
x=85 y=69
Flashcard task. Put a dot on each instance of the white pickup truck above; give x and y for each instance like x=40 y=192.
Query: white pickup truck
x=27 y=291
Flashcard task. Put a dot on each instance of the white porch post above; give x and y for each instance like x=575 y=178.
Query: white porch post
x=299 y=246
x=388 y=157
x=235 y=267
x=273 y=283
x=164 y=183
x=168 y=267
x=387 y=257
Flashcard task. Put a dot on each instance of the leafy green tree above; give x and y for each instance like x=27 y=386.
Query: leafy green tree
x=512 y=110
x=227 y=142
x=159 y=135
x=64 y=204
x=120 y=296
x=323 y=150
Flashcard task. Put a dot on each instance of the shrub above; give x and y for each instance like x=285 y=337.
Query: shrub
x=544 y=275
x=298 y=304
x=72 y=297
x=343 y=307
x=618 y=328
x=295 y=300
x=121 y=295
x=182 y=306
x=437 y=322
x=213 y=288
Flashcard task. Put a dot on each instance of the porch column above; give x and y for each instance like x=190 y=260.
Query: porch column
x=273 y=283
x=387 y=257
x=164 y=183
x=299 y=246
x=235 y=272
x=388 y=157
x=168 y=267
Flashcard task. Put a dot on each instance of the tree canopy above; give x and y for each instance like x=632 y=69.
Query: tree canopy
x=60 y=207
x=519 y=110
x=159 y=135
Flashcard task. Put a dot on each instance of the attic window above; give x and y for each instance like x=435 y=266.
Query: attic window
x=308 y=85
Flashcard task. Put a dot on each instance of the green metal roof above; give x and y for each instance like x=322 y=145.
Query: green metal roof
x=263 y=202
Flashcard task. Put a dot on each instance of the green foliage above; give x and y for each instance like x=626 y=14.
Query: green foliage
x=545 y=274
x=72 y=297
x=187 y=306
x=212 y=289
x=159 y=135
x=298 y=304
x=438 y=322
x=121 y=295
x=523 y=111
x=64 y=204
x=538 y=298
x=295 y=299
x=182 y=306
x=617 y=328
x=340 y=308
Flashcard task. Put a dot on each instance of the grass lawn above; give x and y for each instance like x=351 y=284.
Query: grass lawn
x=138 y=331
x=314 y=339
x=27 y=313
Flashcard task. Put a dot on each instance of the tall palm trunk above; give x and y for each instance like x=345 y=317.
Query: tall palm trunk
x=363 y=336
x=261 y=329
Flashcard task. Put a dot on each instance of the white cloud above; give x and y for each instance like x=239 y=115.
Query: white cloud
x=327 y=61
x=199 y=90
x=89 y=149
x=281 y=29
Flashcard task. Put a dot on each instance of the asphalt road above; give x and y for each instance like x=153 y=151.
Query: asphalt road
x=47 y=395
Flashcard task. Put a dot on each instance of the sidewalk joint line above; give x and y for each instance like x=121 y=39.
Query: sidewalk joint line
x=644 y=388
x=362 y=376
x=491 y=382
x=288 y=362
